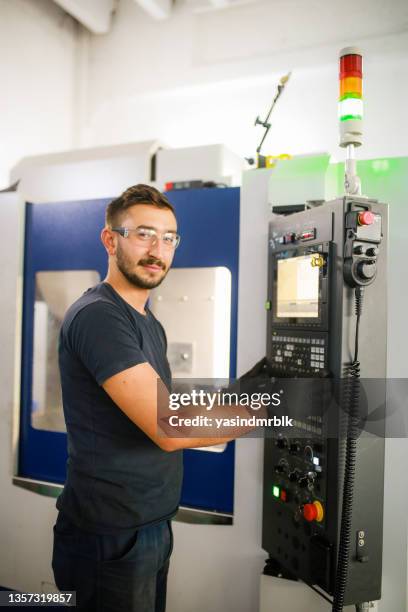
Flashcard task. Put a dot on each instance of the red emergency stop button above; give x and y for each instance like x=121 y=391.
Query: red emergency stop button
x=365 y=218
x=313 y=512
x=310 y=512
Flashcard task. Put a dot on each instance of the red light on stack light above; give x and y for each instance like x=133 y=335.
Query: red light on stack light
x=351 y=65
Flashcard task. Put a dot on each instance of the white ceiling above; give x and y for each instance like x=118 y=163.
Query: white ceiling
x=96 y=15
x=210 y=5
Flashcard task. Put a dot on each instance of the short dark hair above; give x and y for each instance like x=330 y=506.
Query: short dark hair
x=138 y=194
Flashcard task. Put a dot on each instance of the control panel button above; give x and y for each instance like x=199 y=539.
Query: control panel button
x=303 y=482
x=313 y=512
x=319 y=510
x=294 y=447
x=365 y=217
x=372 y=252
x=308 y=234
x=294 y=476
x=309 y=512
x=289 y=238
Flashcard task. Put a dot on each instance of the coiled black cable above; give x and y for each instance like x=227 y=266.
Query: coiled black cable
x=351 y=401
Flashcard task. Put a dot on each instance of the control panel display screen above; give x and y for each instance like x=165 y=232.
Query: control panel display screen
x=298 y=287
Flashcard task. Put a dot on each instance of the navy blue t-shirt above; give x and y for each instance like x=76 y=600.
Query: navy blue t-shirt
x=117 y=477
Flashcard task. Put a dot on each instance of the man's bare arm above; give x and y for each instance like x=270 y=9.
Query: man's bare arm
x=135 y=392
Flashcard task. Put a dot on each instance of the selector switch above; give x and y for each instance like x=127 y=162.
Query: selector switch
x=294 y=448
x=294 y=476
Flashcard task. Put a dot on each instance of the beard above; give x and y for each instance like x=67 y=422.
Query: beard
x=127 y=266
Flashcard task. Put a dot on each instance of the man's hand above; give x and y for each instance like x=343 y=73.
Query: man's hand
x=259 y=379
x=263 y=368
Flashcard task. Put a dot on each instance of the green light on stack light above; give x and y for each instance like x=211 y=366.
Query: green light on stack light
x=350 y=108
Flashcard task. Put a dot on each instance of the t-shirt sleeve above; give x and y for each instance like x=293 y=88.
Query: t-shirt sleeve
x=103 y=339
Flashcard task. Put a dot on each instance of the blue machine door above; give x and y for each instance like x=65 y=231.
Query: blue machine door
x=63 y=257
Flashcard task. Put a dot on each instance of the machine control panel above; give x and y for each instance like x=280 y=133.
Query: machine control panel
x=310 y=333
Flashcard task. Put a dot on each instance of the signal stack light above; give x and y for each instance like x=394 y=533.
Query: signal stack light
x=351 y=112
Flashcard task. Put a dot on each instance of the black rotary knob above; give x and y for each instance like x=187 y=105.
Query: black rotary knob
x=294 y=476
x=366 y=270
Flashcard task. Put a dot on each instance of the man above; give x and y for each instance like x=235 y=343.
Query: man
x=113 y=538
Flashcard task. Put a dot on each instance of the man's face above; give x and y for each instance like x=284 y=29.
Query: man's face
x=145 y=265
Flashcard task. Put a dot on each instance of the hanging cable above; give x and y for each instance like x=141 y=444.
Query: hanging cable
x=351 y=403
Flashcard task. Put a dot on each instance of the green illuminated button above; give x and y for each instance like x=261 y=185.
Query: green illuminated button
x=268 y=305
x=276 y=491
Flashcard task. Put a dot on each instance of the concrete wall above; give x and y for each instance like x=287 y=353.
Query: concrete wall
x=38 y=63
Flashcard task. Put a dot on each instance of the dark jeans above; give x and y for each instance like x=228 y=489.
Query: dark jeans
x=113 y=573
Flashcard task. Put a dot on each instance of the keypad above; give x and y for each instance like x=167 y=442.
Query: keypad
x=301 y=355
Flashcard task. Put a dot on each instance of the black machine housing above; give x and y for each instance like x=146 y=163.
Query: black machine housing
x=314 y=338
